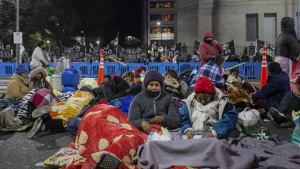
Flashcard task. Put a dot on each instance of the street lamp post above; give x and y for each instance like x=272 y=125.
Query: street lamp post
x=158 y=24
x=18 y=30
x=48 y=44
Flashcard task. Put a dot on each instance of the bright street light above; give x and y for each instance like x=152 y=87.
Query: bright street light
x=158 y=23
x=49 y=44
x=98 y=42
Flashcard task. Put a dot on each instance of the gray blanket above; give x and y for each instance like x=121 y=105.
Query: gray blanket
x=241 y=153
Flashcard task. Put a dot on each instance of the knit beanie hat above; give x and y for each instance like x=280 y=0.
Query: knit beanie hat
x=274 y=67
x=203 y=84
x=153 y=76
x=21 y=69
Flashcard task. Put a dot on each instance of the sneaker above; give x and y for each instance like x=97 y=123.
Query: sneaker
x=277 y=116
x=39 y=112
x=37 y=127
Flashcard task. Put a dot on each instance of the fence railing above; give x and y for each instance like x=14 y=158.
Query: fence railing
x=250 y=70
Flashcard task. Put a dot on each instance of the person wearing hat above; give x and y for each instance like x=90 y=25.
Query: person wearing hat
x=187 y=73
x=207 y=113
x=139 y=74
x=38 y=79
x=17 y=88
x=272 y=93
x=154 y=106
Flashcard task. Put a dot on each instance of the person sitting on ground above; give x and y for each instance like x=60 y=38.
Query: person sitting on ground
x=274 y=90
x=187 y=73
x=116 y=87
x=175 y=88
x=129 y=77
x=282 y=117
x=209 y=48
x=54 y=117
x=154 y=106
x=17 y=88
x=38 y=79
x=207 y=112
x=139 y=74
x=246 y=86
x=39 y=57
x=213 y=70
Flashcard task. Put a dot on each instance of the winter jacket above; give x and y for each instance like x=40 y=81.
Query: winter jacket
x=178 y=94
x=16 y=88
x=286 y=45
x=44 y=84
x=145 y=108
x=213 y=72
x=209 y=50
x=111 y=91
x=218 y=114
x=274 y=90
x=38 y=59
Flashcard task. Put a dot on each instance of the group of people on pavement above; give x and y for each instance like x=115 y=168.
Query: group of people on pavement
x=192 y=104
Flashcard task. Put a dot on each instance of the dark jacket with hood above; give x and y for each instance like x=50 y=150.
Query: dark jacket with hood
x=145 y=108
x=286 y=44
x=115 y=88
x=209 y=50
x=275 y=88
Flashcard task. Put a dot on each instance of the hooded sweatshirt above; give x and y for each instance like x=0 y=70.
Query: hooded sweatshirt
x=145 y=108
x=286 y=44
x=209 y=50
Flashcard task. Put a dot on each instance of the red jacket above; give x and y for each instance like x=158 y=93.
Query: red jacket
x=209 y=50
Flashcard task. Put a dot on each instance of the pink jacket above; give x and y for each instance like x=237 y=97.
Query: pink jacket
x=295 y=82
x=209 y=50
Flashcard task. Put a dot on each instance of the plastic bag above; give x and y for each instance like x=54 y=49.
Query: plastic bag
x=164 y=135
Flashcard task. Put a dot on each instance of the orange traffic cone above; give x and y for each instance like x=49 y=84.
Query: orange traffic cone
x=264 y=71
x=101 y=68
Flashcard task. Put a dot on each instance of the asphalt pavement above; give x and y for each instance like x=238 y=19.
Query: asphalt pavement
x=18 y=152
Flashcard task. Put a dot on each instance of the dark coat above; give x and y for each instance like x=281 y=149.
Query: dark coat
x=286 y=44
x=274 y=90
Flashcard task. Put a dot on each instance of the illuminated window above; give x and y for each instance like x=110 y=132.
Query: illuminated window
x=159 y=30
x=162 y=17
x=162 y=4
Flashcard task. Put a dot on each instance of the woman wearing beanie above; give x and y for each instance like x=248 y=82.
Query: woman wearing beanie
x=38 y=79
x=207 y=113
x=154 y=106
x=18 y=86
x=274 y=90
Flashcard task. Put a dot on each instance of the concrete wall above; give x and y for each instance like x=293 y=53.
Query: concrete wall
x=226 y=19
x=229 y=17
x=187 y=21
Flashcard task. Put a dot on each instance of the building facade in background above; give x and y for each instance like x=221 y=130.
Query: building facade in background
x=241 y=20
x=160 y=20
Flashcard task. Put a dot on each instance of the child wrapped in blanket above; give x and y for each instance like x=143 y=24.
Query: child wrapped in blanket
x=54 y=118
x=207 y=113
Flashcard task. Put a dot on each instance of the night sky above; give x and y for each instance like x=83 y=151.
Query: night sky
x=126 y=18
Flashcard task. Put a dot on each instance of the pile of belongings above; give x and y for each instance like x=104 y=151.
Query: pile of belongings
x=237 y=94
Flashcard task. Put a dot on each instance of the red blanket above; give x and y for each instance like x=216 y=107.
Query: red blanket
x=105 y=129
